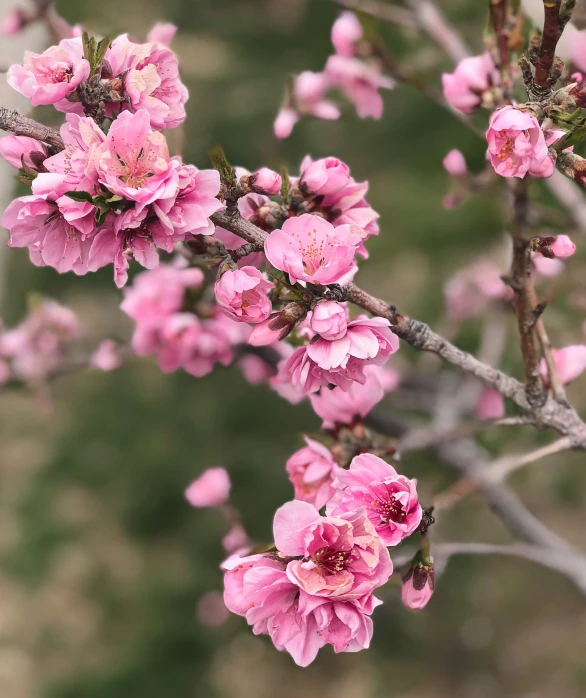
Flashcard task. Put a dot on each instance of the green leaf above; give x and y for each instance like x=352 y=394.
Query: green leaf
x=284 y=182
x=114 y=198
x=80 y=196
x=220 y=162
x=89 y=44
x=100 y=53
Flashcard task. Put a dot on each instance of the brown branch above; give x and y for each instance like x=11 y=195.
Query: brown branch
x=552 y=32
x=381 y=10
x=433 y=22
x=525 y=300
x=498 y=18
x=13 y=122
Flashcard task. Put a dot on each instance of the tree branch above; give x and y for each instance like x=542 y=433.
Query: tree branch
x=13 y=122
x=552 y=32
x=381 y=10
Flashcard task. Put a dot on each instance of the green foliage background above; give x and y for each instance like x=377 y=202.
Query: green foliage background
x=101 y=559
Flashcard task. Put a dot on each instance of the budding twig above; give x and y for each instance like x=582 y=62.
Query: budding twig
x=13 y=122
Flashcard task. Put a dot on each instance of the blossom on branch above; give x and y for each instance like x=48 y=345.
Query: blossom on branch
x=311 y=471
x=470 y=85
x=242 y=295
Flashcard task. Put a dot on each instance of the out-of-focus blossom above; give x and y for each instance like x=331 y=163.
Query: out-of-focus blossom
x=546 y=267
x=338 y=406
x=490 y=405
x=468 y=87
x=346 y=33
x=455 y=164
x=242 y=295
x=13 y=23
x=236 y=539
x=107 y=356
x=360 y=81
x=516 y=144
x=162 y=32
x=468 y=292
x=311 y=472
x=310 y=249
x=389 y=499
x=211 y=610
x=211 y=489
x=418 y=586
x=307 y=98
x=570 y=362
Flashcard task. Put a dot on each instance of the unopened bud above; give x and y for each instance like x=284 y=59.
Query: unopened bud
x=560 y=246
x=278 y=325
x=13 y=23
x=454 y=164
x=265 y=181
x=418 y=585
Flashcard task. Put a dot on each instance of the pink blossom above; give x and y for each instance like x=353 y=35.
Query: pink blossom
x=211 y=610
x=211 y=489
x=151 y=79
x=390 y=499
x=490 y=405
x=162 y=33
x=311 y=472
x=466 y=88
x=307 y=99
x=455 y=164
x=107 y=356
x=570 y=362
x=329 y=320
x=346 y=33
x=340 y=557
x=13 y=148
x=516 y=144
x=325 y=176
x=13 y=23
x=310 y=249
x=49 y=77
x=418 y=586
x=266 y=181
x=242 y=295
x=339 y=406
x=563 y=247
x=360 y=82
x=342 y=361
x=469 y=291
x=133 y=161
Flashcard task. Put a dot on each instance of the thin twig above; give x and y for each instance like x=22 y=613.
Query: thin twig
x=381 y=10
x=433 y=22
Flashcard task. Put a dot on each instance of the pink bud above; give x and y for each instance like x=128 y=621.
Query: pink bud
x=262 y=334
x=13 y=148
x=107 y=356
x=454 y=164
x=286 y=119
x=13 y=23
x=563 y=247
x=211 y=489
x=162 y=33
x=329 y=319
x=570 y=362
x=490 y=405
x=418 y=586
x=346 y=33
x=266 y=181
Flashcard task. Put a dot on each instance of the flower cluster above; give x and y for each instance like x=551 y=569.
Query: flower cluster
x=354 y=69
x=112 y=194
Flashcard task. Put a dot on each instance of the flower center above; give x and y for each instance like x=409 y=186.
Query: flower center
x=313 y=252
x=135 y=166
x=389 y=510
x=330 y=560
x=507 y=148
x=249 y=297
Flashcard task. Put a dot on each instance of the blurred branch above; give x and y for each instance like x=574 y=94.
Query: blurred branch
x=381 y=10
x=433 y=22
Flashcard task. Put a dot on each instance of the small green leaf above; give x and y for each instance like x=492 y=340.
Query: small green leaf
x=100 y=52
x=80 y=196
x=220 y=162
x=114 y=198
x=284 y=182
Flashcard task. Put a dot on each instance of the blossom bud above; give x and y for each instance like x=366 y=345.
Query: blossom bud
x=570 y=362
x=211 y=489
x=454 y=164
x=13 y=23
x=554 y=246
x=329 y=320
x=278 y=325
x=323 y=177
x=418 y=585
x=346 y=33
x=286 y=119
x=265 y=181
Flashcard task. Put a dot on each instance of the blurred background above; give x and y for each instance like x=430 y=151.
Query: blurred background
x=103 y=562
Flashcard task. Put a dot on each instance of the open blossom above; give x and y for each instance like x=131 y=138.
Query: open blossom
x=570 y=362
x=341 y=361
x=49 y=77
x=390 y=499
x=311 y=472
x=310 y=249
x=346 y=33
x=516 y=144
x=467 y=87
x=211 y=489
x=151 y=80
x=307 y=99
x=418 y=586
x=329 y=320
x=469 y=291
x=14 y=149
x=339 y=406
x=242 y=295
x=360 y=81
